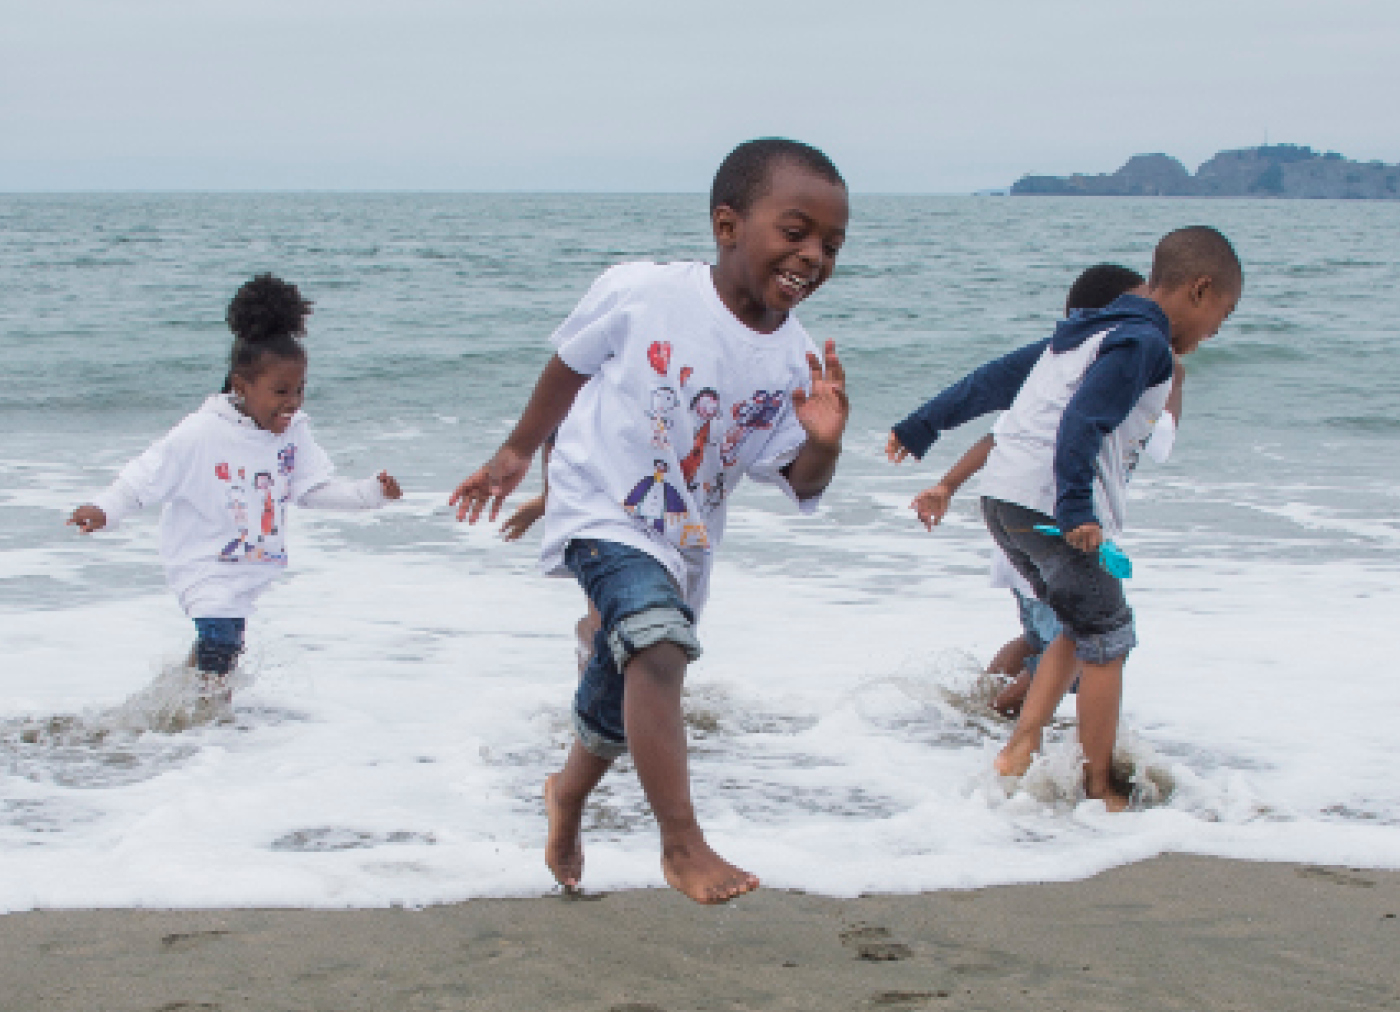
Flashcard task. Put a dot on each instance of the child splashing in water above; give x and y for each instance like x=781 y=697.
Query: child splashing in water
x=225 y=475
x=672 y=382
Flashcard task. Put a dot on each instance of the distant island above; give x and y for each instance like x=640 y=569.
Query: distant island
x=1273 y=170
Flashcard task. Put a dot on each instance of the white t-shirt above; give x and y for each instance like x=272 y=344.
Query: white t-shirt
x=683 y=401
x=1021 y=466
x=1157 y=443
x=225 y=484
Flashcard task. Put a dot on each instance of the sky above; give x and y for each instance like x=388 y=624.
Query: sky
x=911 y=96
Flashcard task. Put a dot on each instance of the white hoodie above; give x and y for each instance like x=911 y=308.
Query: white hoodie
x=225 y=484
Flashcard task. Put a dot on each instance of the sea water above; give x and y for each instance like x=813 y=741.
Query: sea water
x=407 y=685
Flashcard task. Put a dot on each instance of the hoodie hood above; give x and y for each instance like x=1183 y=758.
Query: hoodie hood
x=1083 y=324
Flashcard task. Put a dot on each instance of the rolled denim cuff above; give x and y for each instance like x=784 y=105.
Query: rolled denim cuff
x=1101 y=648
x=635 y=633
x=596 y=742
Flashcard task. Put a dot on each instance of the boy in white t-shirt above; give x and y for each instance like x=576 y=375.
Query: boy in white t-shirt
x=669 y=384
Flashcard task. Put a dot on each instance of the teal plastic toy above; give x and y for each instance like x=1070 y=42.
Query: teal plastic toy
x=1114 y=560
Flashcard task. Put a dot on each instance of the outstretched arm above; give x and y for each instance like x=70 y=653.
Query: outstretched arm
x=932 y=504
x=513 y=528
x=822 y=414
x=991 y=387
x=554 y=394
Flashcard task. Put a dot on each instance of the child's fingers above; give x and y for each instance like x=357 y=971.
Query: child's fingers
x=835 y=371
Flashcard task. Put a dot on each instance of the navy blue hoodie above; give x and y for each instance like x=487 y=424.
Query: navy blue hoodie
x=1136 y=356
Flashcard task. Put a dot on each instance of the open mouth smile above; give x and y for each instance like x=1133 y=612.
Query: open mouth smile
x=794 y=285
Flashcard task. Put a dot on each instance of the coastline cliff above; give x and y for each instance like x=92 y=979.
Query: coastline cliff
x=1276 y=170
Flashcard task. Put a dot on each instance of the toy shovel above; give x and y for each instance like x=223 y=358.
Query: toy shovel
x=1114 y=560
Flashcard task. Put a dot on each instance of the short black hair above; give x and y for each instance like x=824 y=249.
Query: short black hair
x=743 y=176
x=268 y=317
x=1193 y=252
x=1099 y=285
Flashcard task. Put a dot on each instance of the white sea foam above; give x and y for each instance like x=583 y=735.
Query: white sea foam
x=404 y=706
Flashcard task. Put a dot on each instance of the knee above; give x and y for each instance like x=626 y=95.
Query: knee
x=662 y=664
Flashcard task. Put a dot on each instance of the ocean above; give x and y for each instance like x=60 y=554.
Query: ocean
x=408 y=682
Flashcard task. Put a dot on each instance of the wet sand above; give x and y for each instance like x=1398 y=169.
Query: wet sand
x=1174 y=933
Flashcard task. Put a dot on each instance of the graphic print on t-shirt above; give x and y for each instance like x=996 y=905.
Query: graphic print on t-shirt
x=258 y=510
x=664 y=401
x=654 y=500
x=704 y=406
x=758 y=412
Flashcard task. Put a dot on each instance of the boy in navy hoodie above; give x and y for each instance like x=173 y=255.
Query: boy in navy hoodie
x=1079 y=407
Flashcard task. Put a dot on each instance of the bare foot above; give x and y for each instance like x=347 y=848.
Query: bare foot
x=1113 y=799
x=563 y=850
x=1008 y=701
x=1015 y=758
x=692 y=868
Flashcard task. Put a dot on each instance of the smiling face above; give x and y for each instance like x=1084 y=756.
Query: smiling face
x=274 y=394
x=783 y=248
x=1197 y=311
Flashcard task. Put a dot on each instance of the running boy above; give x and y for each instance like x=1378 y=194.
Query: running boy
x=225 y=475
x=1095 y=288
x=1079 y=406
x=677 y=380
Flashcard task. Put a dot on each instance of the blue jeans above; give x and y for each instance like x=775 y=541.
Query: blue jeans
x=1039 y=626
x=1088 y=601
x=219 y=644
x=641 y=606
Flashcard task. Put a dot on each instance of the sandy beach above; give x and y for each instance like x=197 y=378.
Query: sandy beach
x=1170 y=933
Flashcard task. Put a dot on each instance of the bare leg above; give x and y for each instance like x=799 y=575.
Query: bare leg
x=652 y=715
x=565 y=794
x=1053 y=677
x=1100 y=696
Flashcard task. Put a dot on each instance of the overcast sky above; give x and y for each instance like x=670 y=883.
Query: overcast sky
x=905 y=95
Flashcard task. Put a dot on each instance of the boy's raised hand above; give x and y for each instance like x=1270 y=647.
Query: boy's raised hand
x=492 y=484
x=824 y=411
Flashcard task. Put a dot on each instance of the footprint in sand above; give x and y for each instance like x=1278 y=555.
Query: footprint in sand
x=1336 y=876
x=872 y=943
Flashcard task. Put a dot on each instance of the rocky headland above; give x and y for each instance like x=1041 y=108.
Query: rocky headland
x=1275 y=170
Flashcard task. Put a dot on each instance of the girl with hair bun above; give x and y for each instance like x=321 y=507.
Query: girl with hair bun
x=224 y=477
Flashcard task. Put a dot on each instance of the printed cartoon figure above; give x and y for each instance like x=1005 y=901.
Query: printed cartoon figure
x=663 y=401
x=704 y=406
x=695 y=535
x=240 y=546
x=262 y=481
x=758 y=412
x=714 y=493
x=654 y=500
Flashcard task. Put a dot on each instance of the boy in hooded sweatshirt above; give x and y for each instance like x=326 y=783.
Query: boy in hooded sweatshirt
x=1078 y=408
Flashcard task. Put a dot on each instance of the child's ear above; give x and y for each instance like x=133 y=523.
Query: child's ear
x=724 y=220
x=1201 y=288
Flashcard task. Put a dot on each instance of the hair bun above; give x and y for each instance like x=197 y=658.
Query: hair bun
x=267 y=308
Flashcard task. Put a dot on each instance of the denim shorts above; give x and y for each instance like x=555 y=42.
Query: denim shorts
x=1088 y=601
x=1039 y=626
x=219 y=644
x=640 y=606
